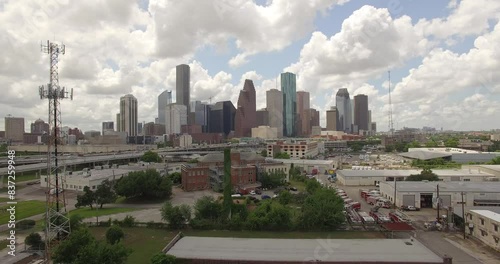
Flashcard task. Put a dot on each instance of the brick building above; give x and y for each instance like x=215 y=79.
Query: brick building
x=209 y=171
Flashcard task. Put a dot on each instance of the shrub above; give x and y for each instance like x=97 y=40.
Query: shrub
x=129 y=221
x=25 y=224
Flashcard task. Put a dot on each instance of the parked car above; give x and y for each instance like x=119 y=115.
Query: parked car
x=293 y=189
x=252 y=193
x=258 y=191
x=236 y=195
x=409 y=208
x=263 y=197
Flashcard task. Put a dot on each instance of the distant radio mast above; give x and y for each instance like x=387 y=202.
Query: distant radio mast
x=56 y=216
x=391 y=122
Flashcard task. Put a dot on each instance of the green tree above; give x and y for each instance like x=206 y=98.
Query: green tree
x=150 y=156
x=175 y=177
x=414 y=144
x=425 y=174
x=34 y=240
x=284 y=197
x=147 y=184
x=281 y=155
x=104 y=194
x=273 y=179
x=162 y=258
x=85 y=199
x=263 y=153
x=228 y=201
x=495 y=161
x=389 y=148
x=82 y=248
x=75 y=222
x=312 y=186
x=431 y=144
x=270 y=216
x=114 y=234
x=176 y=216
x=207 y=208
x=322 y=210
x=451 y=143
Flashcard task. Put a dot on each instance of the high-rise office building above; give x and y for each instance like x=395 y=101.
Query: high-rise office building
x=199 y=114
x=14 y=128
x=343 y=103
x=175 y=118
x=288 y=88
x=164 y=99
x=369 y=120
x=332 y=117
x=118 y=123
x=182 y=86
x=246 y=112
x=262 y=118
x=221 y=118
x=361 y=112
x=39 y=127
x=274 y=102
x=128 y=115
x=107 y=126
x=314 y=121
x=303 y=127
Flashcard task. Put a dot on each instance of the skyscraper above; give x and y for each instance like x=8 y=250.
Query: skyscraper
x=118 y=123
x=274 y=102
x=128 y=115
x=361 y=112
x=182 y=78
x=262 y=118
x=332 y=117
x=221 y=118
x=288 y=88
x=175 y=118
x=108 y=126
x=164 y=99
x=343 y=102
x=246 y=114
x=303 y=122
x=14 y=128
x=39 y=127
x=199 y=114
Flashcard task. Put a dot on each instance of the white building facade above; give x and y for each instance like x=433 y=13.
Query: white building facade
x=175 y=118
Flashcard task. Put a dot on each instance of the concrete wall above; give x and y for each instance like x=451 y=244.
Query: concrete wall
x=484 y=231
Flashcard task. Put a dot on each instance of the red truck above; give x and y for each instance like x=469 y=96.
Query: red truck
x=355 y=206
x=372 y=199
x=379 y=217
x=363 y=193
x=398 y=216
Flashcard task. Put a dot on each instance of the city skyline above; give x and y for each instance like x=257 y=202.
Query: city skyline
x=332 y=45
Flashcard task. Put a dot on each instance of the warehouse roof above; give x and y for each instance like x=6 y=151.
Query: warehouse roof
x=478 y=187
x=303 y=161
x=488 y=214
x=424 y=155
x=490 y=167
x=219 y=157
x=302 y=250
x=458 y=209
x=404 y=173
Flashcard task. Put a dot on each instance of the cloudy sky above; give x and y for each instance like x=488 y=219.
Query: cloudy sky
x=444 y=55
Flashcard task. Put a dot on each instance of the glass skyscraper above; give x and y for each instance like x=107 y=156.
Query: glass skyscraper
x=343 y=102
x=289 y=90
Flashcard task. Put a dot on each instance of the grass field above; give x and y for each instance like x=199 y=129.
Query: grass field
x=288 y=235
x=3 y=243
x=24 y=209
x=87 y=212
x=301 y=187
x=144 y=242
x=3 y=200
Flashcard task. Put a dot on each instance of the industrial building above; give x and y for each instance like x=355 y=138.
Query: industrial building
x=259 y=250
x=308 y=165
x=295 y=150
x=367 y=177
x=484 y=225
x=451 y=154
x=424 y=194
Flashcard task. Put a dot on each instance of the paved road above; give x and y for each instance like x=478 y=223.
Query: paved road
x=436 y=242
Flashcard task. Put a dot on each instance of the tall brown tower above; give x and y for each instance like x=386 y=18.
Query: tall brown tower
x=246 y=114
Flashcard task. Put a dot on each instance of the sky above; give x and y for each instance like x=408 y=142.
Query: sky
x=443 y=55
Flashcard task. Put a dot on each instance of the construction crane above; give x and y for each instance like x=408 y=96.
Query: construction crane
x=57 y=226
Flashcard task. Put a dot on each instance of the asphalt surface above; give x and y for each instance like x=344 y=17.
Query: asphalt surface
x=441 y=246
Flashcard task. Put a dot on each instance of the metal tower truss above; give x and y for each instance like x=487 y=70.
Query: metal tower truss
x=57 y=225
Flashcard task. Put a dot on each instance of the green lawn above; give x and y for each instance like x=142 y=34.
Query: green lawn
x=86 y=212
x=3 y=243
x=301 y=187
x=26 y=176
x=2 y=199
x=144 y=242
x=305 y=235
x=24 y=209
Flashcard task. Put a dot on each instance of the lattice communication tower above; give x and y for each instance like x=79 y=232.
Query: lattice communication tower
x=57 y=225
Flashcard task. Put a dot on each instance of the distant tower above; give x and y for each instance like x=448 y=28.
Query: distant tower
x=332 y=117
x=128 y=115
x=289 y=90
x=274 y=103
x=182 y=79
x=164 y=99
x=361 y=114
x=246 y=113
x=57 y=225
x=343 y=102
x=303 y=118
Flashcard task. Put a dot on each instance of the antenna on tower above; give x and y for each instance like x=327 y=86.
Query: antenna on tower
x=57 y=225
x=391 y=125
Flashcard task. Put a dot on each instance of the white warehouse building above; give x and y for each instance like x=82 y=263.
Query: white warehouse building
x=372 y=177
x=424 y=194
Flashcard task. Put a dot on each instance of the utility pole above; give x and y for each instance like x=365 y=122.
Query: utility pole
x=395 y=181
x=438 y=204
x=463 y=211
